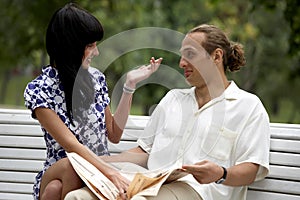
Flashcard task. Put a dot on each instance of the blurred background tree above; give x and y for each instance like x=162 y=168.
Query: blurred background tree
x=269 y=31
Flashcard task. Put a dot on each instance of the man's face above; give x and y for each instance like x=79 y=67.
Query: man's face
x=195 y=61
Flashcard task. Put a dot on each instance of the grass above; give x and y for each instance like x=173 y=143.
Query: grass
x=288 y=113
x=13 y=96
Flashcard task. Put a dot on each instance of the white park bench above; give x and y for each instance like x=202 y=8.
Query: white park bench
x=22 y=153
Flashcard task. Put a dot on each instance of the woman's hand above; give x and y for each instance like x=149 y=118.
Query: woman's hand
x=119 y=181
x=141 y=73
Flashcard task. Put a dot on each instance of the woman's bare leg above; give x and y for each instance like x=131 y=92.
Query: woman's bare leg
x=53 y=190
x=58 y=180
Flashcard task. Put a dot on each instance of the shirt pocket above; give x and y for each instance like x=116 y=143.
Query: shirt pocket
x=219 y=143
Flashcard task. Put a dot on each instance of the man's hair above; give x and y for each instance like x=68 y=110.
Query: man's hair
x=233 y=57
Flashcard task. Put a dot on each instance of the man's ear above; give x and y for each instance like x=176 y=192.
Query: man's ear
x=218 y=55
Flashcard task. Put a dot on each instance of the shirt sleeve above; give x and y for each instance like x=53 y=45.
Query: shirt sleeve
x=155 y=124
x=37 y=95
x=254 y=143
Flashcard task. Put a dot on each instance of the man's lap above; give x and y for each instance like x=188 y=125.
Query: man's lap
x=176 y=190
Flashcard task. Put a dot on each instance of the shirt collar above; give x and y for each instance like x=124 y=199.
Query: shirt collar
x=50 y=72
x=232 y=91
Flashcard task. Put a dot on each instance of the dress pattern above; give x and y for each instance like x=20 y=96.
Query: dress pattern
x=46 y=91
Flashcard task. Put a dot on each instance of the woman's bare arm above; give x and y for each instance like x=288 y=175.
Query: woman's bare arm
x=135 y=155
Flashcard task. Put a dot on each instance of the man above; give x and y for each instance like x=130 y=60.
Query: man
x=217 y=132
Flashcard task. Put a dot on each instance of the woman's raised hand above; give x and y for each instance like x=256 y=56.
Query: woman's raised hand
x=141 y=73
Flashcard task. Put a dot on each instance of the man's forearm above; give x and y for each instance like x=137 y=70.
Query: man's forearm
x=242 y=174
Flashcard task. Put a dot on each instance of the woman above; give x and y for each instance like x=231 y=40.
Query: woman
x=70 y=100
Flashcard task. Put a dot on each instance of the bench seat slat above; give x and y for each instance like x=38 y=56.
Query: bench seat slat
x=279 y=186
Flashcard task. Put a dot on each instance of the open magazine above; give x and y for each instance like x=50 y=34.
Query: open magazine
x=143 y=182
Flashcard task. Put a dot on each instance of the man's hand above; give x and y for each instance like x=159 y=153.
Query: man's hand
x=238 y=175
x=205 y=171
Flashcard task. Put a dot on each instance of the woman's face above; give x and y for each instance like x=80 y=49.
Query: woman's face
x=90 y=51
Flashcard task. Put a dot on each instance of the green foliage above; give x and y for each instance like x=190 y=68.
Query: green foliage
x=269 y=31
x=22 y=29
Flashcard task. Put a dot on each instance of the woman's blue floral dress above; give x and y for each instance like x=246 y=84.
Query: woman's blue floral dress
x=46 y=91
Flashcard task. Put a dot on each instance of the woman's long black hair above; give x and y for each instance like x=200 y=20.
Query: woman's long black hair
x=69 y=31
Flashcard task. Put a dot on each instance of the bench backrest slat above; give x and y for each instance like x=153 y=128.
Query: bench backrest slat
x=21 y=153
x=22 y=142
x=286 y=159
x=21 y=165
x=21 y=129
x=292 y=146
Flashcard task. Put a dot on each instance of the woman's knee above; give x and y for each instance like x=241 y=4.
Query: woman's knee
x=64 y=164
x=52 y=190
x=65 y=172
x=70 y=177
x=67 y=167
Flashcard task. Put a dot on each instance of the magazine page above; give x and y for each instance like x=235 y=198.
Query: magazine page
x=92 y=187
x=129 y=170
x=143 y=184
x=143 y=181
x=98 y=183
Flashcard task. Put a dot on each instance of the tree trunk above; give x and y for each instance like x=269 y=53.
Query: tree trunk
x=5 y=79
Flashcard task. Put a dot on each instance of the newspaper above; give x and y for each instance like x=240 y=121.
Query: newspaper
x=143 y=182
